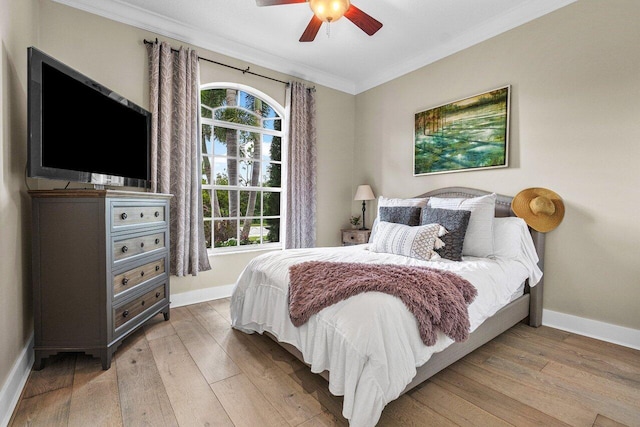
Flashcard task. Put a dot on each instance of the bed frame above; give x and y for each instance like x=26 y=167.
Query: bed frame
x=527 y=308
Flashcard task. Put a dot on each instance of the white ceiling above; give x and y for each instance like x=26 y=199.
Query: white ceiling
x=414 y=33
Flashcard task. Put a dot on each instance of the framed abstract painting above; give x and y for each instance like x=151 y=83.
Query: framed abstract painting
x=468 y=134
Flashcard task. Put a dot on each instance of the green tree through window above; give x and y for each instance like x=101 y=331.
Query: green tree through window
x=241 y=167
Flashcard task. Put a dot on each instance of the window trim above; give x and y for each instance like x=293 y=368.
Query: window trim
x=283 y=134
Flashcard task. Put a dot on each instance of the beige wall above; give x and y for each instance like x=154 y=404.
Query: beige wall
x=114 y=54
x=575 y=128
x=18 y=29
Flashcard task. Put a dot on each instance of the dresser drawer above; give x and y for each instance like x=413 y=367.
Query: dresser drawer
x=136 y=276
x=129 y=215
x=355 y=237
x=126 y=247
x=129 y=311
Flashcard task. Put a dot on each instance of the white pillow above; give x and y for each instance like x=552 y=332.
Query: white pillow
x=387 y=201
x=478 y=241
x=415 y=242
x=508 y=235
x=513 y=240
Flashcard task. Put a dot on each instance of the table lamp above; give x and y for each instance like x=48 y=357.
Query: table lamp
x=364 y=193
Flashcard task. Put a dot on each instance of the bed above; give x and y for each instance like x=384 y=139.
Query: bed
x=374 y=361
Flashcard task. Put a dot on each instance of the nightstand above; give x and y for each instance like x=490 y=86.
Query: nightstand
x=355 y=236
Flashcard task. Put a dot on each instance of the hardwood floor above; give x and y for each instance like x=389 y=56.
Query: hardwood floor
x=195 y=370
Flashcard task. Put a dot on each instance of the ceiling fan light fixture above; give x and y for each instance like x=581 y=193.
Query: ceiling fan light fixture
x=329 y=10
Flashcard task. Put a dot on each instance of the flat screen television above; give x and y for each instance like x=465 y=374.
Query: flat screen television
x=81 y=131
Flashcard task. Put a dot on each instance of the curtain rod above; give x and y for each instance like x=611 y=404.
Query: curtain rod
x=244 y=71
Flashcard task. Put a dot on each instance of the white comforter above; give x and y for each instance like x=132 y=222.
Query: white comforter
x=369 y=343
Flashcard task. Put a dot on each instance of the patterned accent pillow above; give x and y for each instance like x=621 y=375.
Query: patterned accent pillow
x=407 y=215
x=456 y=222
x=415 y=242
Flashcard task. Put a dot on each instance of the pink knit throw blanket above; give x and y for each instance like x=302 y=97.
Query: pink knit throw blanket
x=438 y=299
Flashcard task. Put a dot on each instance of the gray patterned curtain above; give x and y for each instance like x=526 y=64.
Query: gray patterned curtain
x=301 y=168
x=175 y=158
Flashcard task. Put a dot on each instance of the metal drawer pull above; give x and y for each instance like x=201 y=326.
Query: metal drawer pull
x=125 y=281
x=157 y=241
x=141 y=214
x=142 y=303
x=157 y=268
x=125 y=313
x=124 y=215
x=125 y=249
x=142 y=244
x=156 y=214
x=157 y=294
x=141 y=273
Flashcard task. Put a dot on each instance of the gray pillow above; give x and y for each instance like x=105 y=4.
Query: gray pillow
x=478 y=240
x=455 y=222
x=407 y=215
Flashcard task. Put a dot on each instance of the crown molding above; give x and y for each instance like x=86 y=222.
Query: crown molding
x=163 y=26
x=507 y=21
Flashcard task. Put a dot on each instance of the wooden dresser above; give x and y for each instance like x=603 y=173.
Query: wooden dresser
x=100 y=268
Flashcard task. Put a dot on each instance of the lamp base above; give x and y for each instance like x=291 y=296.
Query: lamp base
x=364 y=207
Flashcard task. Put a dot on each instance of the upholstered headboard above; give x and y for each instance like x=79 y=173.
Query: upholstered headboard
x=503 y=209
x=503 y=203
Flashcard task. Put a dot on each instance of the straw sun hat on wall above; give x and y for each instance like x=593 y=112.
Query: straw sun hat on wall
x=540 y=208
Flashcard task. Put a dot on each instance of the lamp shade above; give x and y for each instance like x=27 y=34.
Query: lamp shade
x=364 y=192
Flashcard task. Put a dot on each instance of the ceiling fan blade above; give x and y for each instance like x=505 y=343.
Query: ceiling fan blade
x=312 y=29
x=277 y=2
x=365 y=22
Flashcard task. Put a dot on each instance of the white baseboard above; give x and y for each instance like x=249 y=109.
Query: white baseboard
x=12 y=388
x=615 y=334
x=201 y=295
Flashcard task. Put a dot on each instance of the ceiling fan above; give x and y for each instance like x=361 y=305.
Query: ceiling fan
x=329 y=11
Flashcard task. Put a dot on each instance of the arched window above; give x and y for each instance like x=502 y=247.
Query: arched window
x=242 y=135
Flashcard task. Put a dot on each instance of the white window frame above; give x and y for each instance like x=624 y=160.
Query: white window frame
x=284 y=136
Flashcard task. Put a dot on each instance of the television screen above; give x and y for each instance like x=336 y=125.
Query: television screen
x=81 y=131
